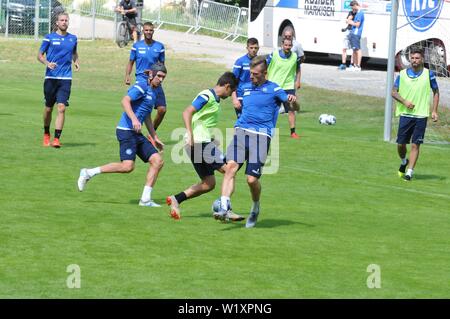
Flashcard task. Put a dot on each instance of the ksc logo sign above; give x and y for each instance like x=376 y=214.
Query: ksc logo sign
x=422 y=14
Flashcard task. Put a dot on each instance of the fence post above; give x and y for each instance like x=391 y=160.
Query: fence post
x=36 y=20
x=93 y=11
x=237 y=22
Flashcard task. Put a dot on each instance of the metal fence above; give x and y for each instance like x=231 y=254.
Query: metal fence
x=97 y=19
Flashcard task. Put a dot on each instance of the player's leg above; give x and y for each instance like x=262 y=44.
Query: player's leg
x=417 y=139
x=148 y=153
x=50 y=100
x=405 y=131
x=258 y=151
x=160 y=106
x=62 y=101
x=128 y=148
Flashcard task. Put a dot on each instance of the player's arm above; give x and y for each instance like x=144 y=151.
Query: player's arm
x=188 y=113
x=396 y=96
x=152 y=137
x=126 y=104
x=133 y=7
x=128 y=70
x=237 y=69
x=298 y=75
x=435 y=89
x=42 y=54
x=76 y=61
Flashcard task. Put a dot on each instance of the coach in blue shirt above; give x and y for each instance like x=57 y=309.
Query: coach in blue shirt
x=57 y=51
x=253 y=132
x=146 y=53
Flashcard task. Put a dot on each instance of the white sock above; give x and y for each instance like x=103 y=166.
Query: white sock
x=409 y=172
x=255 y=207
x=224 y=201
x=93 y=171
x=146 y=194
x=404 y=161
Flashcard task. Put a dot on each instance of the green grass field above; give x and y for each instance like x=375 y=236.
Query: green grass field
x=335 y=206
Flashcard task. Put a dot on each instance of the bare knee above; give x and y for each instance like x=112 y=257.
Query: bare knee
x=156 y=161
x=161 y=111
x=209 y=183
x=127 y=166
x=252 y=180
x=61 y=108
x=231 y=167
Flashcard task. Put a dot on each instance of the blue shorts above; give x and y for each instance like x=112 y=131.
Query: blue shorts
x=57 y=91
x=132 y=144
x=251 y=148
x=355 y=41
x=411 y=127
x=206 y=158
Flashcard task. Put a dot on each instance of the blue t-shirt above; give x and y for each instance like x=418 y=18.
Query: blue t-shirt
x=59 y=49
x=202 y=99
x=359 y=17
x=260 y=107
x=410 y=72
x=142 y=103
x=241 y=70
x=145 y=56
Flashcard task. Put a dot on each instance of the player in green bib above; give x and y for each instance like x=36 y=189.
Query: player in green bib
x=200 y=118
x=412 y=90
x=285 y=70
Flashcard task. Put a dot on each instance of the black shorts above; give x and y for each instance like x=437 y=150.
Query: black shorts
x=251 y=148
x=206 y=158
x=130 y=21
x=57 y=91
x=411 y=127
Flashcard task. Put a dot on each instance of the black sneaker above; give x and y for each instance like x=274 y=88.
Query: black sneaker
x=408 y=178
x=402 y=169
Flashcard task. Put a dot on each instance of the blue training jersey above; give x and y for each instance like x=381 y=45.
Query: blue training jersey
x=142 y=102
x=359 y=17
x=260 y=107
x=241 y=70
x=59 y=49
x=145 y=56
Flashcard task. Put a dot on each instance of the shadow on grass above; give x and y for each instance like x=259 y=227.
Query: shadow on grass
x=6 y=114
x=429 y=177
x=70 y=144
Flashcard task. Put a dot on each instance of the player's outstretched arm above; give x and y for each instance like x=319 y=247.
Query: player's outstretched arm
x=126 y=104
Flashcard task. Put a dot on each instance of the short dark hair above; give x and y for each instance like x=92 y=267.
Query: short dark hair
x=259 y=60
x=148 y=24
x=415 y=50
x=228 y=78
x=354 y=3
x=252 y=41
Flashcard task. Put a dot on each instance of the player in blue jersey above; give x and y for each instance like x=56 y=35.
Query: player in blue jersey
x=138 y=104
x=253 y=132
x=146 y=53
x=355 y=35
x=241 y=70
x=57 y=51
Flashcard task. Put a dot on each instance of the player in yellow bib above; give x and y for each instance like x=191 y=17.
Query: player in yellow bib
x=412 y=90
x=200 y=118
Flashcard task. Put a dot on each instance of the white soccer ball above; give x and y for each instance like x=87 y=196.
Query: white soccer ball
x=331 y=119
x=323 y=119
x=216 y=206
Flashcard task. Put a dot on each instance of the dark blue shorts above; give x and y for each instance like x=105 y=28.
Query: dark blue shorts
x=251 y=148
x=411 y=127
x=206 y=158
x=132 y=144
x=57 y=91
x=355 y=41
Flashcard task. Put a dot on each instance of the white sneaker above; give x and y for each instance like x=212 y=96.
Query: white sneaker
x=83 y=179
x=357 y=69
x=150 y=203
